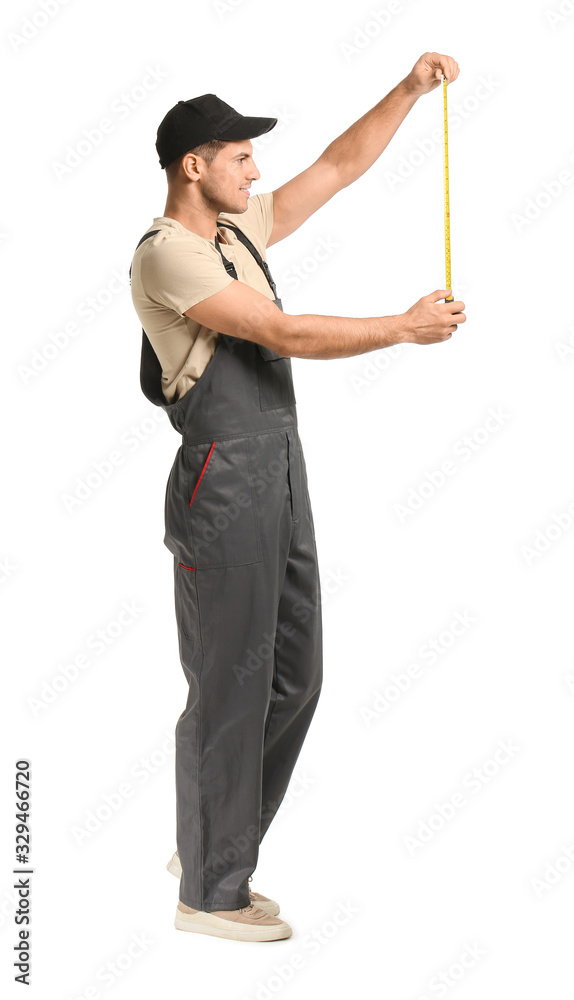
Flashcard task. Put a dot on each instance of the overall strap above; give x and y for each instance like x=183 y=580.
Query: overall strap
x=230 y=268
x=228 y=265
x=150 y=368
x=146 y=237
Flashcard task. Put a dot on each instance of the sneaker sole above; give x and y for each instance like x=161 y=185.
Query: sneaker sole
x=208 y=923
x=272 y=909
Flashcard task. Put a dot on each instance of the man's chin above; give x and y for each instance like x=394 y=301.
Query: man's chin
x=238 y=209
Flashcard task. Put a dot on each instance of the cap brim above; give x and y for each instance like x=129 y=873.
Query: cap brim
x=247 y=128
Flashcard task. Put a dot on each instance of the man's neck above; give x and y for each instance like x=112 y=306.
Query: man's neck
x=202 y=222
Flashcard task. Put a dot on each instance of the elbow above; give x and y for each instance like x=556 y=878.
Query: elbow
x=284 y=337
x=269 y=326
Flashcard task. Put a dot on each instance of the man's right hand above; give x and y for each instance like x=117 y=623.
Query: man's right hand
x=429 y=321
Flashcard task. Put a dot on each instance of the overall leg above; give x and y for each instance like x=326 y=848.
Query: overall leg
x=227 y=623
x=298 y=670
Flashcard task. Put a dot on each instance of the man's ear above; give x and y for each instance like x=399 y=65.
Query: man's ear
x=191 y=166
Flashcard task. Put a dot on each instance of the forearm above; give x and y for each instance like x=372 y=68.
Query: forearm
x=325 y=337
x=359 y=146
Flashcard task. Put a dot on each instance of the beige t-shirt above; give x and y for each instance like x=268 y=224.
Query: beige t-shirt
x=177 y=269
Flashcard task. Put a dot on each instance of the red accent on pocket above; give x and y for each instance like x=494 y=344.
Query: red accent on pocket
x=192 y=568
x=201 y=477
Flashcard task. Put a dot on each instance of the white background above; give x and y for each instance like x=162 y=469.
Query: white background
x=483 y=542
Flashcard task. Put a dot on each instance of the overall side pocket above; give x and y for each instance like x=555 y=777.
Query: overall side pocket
x=223 y=519
x=186 y=605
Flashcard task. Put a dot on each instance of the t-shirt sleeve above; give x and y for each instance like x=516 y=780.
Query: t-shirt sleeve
x=261 y=216
x=178 y=276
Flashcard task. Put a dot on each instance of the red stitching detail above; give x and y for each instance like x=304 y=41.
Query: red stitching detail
x=202 y=472
x=187 y=567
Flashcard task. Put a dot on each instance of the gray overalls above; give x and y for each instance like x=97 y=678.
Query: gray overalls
x=238 y=522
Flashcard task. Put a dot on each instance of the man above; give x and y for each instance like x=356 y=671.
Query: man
x=216 y=355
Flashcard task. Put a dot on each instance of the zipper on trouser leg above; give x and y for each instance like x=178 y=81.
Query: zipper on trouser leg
x=294 y=472
x=289 y=474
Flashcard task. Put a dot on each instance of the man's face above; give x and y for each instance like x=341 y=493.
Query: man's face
x=226 y=182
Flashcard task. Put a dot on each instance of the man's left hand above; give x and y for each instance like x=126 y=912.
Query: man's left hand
x=428 y=71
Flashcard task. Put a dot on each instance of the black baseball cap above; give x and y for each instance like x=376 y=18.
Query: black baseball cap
x=190 y=123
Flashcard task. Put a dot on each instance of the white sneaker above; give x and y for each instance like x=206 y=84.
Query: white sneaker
x=263 y=902
x=250 y=923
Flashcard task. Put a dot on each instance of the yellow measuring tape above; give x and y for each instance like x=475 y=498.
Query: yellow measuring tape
x=446 y=197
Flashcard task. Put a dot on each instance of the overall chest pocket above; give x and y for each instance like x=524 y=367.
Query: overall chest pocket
x=223 y=520
x=275 y=379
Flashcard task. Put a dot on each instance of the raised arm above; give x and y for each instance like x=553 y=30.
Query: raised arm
x=356 y=149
